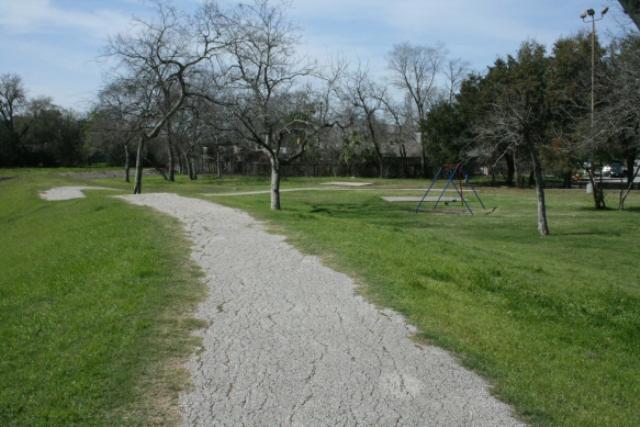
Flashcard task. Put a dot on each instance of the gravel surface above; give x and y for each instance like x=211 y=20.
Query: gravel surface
x=290 y=343
x=68 y=193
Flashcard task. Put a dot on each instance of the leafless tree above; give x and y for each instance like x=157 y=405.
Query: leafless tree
x=195 y=131
x=516 y=119
x=415 y=70
x=367 y=99
x=13 y=101
x=456 y=71
x=159 y=57
x=618 y=121
x=116 y=120
x=510 y=128
x=399 y=115
x=266 y=93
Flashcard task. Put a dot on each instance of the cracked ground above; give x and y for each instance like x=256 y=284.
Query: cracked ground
x=289 y=342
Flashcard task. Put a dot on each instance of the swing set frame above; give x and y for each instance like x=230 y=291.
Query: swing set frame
x=454 y=172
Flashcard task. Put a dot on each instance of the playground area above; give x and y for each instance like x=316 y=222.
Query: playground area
x=456 y=190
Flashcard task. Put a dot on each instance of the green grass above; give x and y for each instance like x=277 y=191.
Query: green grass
x=553 y=323
x=95 y=297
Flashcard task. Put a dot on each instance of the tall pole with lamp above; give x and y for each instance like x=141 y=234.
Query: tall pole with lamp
x=589 y=16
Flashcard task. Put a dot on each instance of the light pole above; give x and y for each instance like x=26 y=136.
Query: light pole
x=589 y=16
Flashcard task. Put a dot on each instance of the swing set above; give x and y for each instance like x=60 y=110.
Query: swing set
x=457 y=181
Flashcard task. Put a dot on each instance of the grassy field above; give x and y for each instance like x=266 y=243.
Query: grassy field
x=553 y=323
x=95 y=297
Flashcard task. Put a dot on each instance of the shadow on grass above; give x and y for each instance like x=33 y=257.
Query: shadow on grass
x=634 y=209
x=584 y=233
x=370 y=212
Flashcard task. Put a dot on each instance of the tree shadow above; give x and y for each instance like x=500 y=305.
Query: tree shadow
x=581 y=233
x=371 y=212
x=634 y=209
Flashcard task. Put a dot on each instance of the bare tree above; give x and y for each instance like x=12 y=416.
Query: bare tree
x=266 y=94
x=415 y=70
x=159 y=58
x=456 y=71
x=367 y=100
x=399 y=115
x=517 y=118
x=117 y=119
x=13 y=101
x=618 y=120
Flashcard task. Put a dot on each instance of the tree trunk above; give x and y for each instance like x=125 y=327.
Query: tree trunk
x=218 y=163
x=630 y=161
x=180 y=162
x=137 y=188
x=624 y=192
x=566 y=179
x=598 y=191
x=193 y=174
x=275 y=184
x=189 y=165
x=517 y=173
x=172 y=163
x=511 y=169
x=380 y=167
x=423 y=161
x=543 y=226
x=403 y=157
x=126 y=163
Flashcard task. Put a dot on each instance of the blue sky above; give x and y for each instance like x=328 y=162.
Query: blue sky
x=55 y=45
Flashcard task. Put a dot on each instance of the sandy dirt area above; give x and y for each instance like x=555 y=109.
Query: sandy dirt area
x=68 y=193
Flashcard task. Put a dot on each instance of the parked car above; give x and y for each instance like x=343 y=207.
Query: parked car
x=617 y=170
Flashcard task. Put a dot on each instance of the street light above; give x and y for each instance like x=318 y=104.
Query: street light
x=589 y=16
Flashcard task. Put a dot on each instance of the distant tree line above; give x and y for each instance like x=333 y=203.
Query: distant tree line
x=35 y=132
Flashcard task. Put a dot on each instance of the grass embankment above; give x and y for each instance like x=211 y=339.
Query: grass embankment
x=95 y=297
x=554 y=323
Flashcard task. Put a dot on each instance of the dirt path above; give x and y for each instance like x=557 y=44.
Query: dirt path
x=289 y=342
x=69 y=192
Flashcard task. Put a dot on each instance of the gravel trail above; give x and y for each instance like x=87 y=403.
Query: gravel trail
x=290 y=343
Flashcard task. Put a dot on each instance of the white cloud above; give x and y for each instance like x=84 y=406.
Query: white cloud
x=476 y=30
x=63 y=39
x=29 y=16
